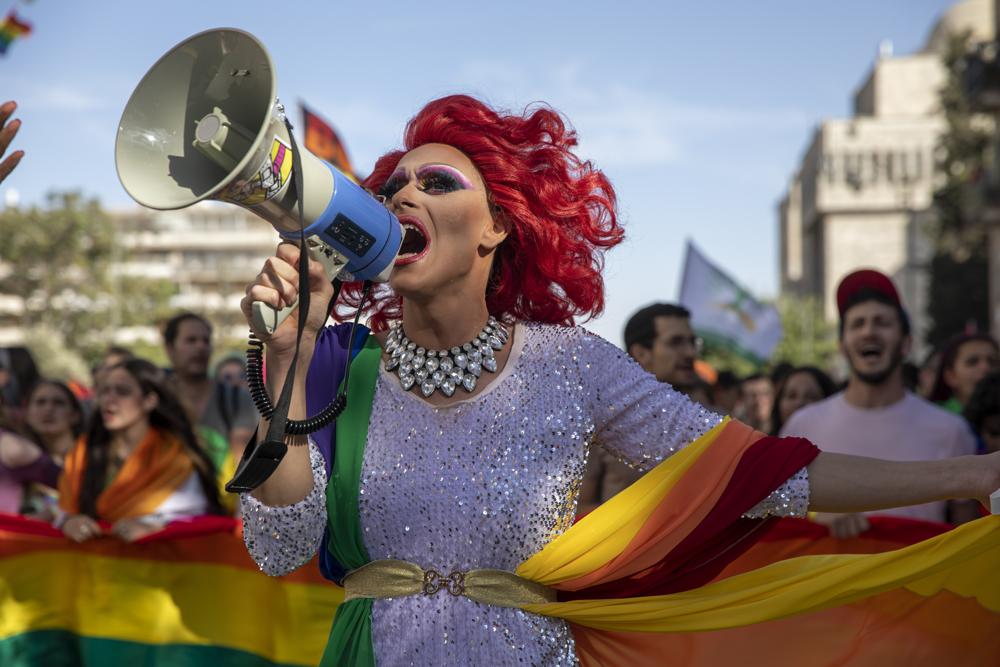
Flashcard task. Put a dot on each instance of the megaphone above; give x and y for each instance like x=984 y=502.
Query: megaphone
x=205 y=123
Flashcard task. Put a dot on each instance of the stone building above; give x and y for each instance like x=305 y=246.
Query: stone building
x=861 y=196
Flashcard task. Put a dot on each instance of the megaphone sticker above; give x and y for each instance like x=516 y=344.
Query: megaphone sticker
x=268 y=182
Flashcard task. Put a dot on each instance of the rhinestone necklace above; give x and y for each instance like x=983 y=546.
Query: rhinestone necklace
x=444 y=370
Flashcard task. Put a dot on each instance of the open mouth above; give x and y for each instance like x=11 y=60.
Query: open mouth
x=415 y=244
x=871 y=352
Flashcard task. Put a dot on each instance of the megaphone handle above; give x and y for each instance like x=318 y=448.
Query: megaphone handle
x=267 y=318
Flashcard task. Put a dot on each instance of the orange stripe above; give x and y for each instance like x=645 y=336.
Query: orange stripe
x=894 y=628
x=680 y=511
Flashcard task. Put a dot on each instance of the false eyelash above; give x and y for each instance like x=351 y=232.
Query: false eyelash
x=438 y=180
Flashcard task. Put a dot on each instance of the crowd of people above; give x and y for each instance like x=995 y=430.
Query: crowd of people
x=141 y=446
x=880 y=410
x=51 y=427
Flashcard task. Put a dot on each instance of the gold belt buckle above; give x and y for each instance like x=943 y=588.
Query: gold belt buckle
x=434 y=581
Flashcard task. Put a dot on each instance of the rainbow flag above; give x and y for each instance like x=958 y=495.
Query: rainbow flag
x=188 y=595
x=925 y=625
x=10 y=29
x=324 y=142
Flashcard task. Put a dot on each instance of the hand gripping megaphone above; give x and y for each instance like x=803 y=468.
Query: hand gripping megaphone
x=205 y=123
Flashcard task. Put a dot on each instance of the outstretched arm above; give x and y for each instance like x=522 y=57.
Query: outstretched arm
x=843 y=483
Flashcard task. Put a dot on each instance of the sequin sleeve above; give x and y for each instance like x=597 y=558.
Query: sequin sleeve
x=281 y=539
x=789 y=499
x=642 y=421
x=639 y=420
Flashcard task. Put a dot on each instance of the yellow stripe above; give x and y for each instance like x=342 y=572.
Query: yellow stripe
x=163 y=603
x=605 y=532
x=963 y=561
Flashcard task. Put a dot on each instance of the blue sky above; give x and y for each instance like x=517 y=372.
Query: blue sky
x=698 y=112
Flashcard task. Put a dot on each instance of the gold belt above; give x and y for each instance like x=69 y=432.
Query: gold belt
x=399 y=578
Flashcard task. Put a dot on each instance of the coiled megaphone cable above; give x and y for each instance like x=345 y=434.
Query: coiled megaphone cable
x=258 y=389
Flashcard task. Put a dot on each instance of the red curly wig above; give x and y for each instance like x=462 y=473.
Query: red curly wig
x=561 y=210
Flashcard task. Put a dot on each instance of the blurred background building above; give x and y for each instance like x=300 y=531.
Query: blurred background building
x=862 y=194
x=210 y=252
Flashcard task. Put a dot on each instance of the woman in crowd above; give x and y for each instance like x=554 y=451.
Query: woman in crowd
x=983 y=412
x=53 y=419
x=139 y=465
x=801 y=386
x=473 y=406
x=965 y=360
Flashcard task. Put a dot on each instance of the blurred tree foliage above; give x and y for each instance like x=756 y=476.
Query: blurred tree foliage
x=958 y=293
x=808 y=339
x=60 y=270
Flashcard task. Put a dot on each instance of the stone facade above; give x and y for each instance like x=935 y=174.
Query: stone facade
x=861 y=196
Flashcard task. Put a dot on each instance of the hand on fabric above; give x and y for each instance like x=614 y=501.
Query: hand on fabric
x=843 y=526
x=277 y=285
x=7 y=132
x=81 y=528
x=132 y=530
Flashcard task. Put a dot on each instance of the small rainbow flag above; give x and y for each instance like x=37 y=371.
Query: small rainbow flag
x=10 y=29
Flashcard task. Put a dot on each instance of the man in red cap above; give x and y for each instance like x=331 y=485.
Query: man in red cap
x=875 y=415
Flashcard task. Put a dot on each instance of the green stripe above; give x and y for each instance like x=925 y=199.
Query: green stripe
x=62 y=648
x=350 y=640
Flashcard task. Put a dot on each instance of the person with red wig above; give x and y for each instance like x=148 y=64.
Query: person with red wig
x=445 y=495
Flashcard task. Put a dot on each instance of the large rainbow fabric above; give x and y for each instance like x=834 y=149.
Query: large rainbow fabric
x=189 y=595
x=898 y=627
x=10 y=29
x=669 y=557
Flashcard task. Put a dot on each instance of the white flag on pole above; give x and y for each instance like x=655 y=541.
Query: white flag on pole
x=724 y=312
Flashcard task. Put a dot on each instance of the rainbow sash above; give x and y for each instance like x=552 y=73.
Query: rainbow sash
x=652 y=562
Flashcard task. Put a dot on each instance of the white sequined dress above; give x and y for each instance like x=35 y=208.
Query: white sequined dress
x=486 y=483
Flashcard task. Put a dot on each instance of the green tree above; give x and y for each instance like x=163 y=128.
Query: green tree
x=958 y=292
x=59 y=271
x=807 y=338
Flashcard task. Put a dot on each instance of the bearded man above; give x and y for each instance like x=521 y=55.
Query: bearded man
x=875 y=415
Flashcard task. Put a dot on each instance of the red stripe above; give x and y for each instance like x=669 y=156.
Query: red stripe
x=883 y=529
x=18 y=27
x=723 y=535
x=209 y=540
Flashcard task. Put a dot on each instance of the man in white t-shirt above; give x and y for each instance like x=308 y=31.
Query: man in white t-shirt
x=875 y=416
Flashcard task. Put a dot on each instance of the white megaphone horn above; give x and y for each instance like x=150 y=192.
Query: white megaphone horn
x=205 y=123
